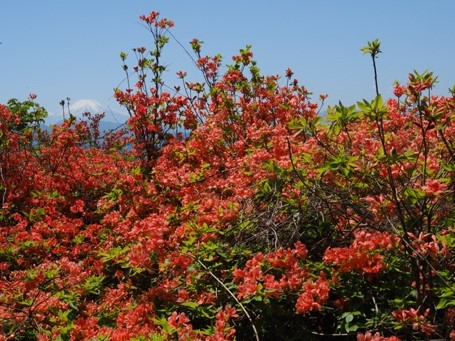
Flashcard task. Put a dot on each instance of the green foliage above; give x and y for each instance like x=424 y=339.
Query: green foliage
x=372 y=48
x=30 y=113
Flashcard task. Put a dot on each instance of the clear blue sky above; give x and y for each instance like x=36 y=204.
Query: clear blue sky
x=60 y=49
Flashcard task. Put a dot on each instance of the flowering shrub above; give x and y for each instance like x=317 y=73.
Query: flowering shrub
x=230 y=209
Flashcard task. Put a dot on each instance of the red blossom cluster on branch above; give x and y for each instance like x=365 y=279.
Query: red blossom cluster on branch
x=363 y=254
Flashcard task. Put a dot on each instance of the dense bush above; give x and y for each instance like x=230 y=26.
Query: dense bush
x=230 y=209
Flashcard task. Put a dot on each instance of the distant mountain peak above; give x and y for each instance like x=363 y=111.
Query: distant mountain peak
x=86 y=105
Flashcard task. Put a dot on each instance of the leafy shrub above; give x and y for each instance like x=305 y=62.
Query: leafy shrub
x=238 y=212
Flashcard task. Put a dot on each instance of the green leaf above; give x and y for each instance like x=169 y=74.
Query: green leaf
x=136 y=170
x=447 y=297
x=374 y=109
x=349 y=318
x=352 y=328
x=93 y=284
x=163 y=323
x=414 y=195
x=444 y=303
x=448 y=239
x=373 y=48
x=190 y=304
x=297 y=123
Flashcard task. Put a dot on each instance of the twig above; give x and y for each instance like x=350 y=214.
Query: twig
x=233 y=296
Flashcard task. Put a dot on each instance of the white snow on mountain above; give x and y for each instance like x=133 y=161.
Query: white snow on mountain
x=86 y=105
x=79 y=107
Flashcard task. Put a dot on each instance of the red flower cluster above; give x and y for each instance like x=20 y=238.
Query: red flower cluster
x=418 y=321
x=368 y=336
x=285 y=262
x=364 y=254
x=314 y=295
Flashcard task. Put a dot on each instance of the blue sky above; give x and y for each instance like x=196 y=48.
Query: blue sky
x=59 y=49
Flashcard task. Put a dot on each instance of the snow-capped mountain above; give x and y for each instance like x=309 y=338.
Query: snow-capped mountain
x=113 y=117
x=86 y=105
